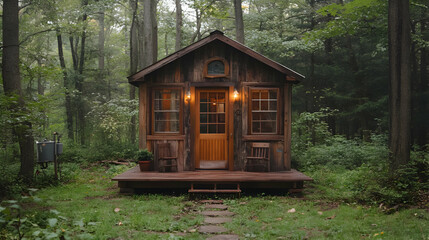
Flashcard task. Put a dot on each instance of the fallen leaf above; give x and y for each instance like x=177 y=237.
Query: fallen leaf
x=193 y=230
x=320 y=213
x=331 y=217
x=291 y=210
x=117 y=209
x=278 y=219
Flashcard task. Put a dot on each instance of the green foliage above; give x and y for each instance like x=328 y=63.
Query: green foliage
x=144 y=155
x=110 y=118
x=407 y=185
x=77 y=153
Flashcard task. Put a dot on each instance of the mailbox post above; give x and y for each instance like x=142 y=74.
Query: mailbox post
x=48 y=151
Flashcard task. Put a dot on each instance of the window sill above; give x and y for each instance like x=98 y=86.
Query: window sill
x=170 y=137
x=263 y=137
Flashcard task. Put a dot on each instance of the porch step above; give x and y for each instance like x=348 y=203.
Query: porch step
x=215 y=188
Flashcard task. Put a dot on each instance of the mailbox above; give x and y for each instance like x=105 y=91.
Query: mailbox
x=45 y=151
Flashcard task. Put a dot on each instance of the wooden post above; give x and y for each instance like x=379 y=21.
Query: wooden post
x=287 y=125
x=143 y=119
x=231 y=128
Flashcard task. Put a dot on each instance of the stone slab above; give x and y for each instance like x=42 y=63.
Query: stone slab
x=224 y=237
x=212 y=229
x=211 y=201
x=216 y=206
x=216 y=220
x=217 y=213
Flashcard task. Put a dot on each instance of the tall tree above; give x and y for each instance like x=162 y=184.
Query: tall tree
x=134 y=62
x=239 y=25
x=179 y=23
x=150 y=32
x=399 y=35
x=12 y=85
x=68 y=105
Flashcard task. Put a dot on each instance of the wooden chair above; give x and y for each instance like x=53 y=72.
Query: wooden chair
x=260 y=157
x=166 y=161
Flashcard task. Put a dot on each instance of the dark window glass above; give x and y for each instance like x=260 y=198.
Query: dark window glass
x=166 y=110
x=216 y=68
x=212 y=112
x=264 y=111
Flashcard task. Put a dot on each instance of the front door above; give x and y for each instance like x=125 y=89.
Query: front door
x=211 y=129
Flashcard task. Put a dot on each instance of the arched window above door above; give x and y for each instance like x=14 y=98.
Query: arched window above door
x=216 y=67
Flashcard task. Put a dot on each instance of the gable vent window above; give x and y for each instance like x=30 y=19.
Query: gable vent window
x=216 y=67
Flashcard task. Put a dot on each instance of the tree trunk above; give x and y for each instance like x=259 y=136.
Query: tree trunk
x=69 y=111
x=423 y=89
x=197 y=33
x=166 y=43
x=134 y=59
x=239 y=25
x=12 y=85
x=179 y=23
x=399 y=87
x=79 y=82
x=101 y=39
x=150 y=32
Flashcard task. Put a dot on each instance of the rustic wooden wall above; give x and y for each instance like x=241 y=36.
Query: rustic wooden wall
x=245 y=73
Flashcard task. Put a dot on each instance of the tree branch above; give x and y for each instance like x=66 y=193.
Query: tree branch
x=33 y=34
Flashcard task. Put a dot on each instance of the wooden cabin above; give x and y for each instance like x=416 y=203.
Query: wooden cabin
x=213 y=102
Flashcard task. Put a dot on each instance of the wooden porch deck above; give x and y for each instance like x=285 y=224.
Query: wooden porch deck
x=135 y=179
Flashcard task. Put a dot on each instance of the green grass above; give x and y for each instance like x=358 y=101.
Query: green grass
x=84 y=208
x=268 y=218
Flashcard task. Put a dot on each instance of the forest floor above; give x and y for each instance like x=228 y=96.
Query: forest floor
x=89 y=206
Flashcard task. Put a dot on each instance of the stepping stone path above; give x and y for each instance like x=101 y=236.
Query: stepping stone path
x=215 y=214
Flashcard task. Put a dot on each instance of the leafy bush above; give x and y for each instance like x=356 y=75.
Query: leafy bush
x=374 y=183
x=144 y=155
x=340 y=152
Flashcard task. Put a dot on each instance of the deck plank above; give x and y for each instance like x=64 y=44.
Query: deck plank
x=219 y=176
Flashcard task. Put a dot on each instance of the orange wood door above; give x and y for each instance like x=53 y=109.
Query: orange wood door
x=211 y=128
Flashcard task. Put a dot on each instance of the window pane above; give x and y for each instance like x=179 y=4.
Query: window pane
x=273 y=105
x=255 y=105
x=216 y=68
x=203 y=118
x=203 y=128
x=212 y=128
x=221 y=118
x=212 y=107
x=273 y=94
x=203 y=97
x=256 y=116
x=203 y=107
x=264 y=111
x=221 y=97
x=256 y=128
x=166 y=110
x=212 y=118
x=221 y=128
x=268 y=127
x=255 y=94
x=221 y=107
x=264 y=105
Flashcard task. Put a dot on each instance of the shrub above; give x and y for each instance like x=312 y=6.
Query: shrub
x=144 y=155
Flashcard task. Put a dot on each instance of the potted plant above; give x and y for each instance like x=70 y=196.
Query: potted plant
x=144 y=158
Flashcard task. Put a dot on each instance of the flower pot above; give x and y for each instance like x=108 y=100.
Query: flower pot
x=144 y=166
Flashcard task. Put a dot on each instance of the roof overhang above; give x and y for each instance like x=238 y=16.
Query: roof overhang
x=291 y=75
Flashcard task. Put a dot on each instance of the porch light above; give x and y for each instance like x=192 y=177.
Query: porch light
x=188 y=96
x=235 y=94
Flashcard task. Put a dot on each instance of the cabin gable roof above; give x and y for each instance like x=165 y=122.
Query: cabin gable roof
x=216 y=35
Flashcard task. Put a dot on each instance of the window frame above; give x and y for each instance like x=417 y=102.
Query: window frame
x=152 y=110
x=250 y=122
x=225 y=63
